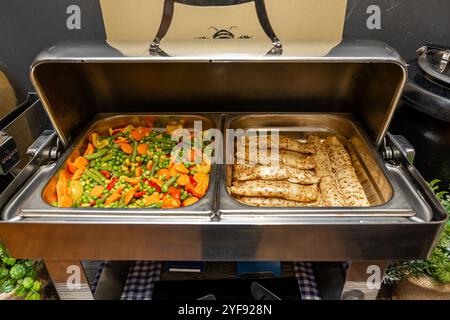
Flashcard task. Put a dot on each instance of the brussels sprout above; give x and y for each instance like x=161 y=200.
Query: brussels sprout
x=9 y=261
x=17 y=271
x=36 y=285
x=27 y=282
x=8 y=285
x=3 y=272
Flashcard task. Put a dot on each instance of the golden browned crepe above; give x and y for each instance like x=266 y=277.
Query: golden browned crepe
x=345 y=174
x=276 y=189
x=289 y=158
x=283 y=143
x=276 y=202
x=271 y=173
x=329 y=189
x=338 y=155
x=351 y=187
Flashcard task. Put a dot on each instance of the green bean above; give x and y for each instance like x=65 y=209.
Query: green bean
x=103 y=198
x=98 y=174
x=168 y=183
x=96 y=155
x=152 y=173
x=133 y=155
x=153 y=205
x=161 y=140
x=107 y=158
x=94 y=177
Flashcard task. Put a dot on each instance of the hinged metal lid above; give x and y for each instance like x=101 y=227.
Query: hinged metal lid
x=364 y=78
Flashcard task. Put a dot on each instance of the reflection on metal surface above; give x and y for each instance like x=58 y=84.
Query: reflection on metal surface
x=293 y=21
x=8 y=99
x=220 y=34
x=363 y=78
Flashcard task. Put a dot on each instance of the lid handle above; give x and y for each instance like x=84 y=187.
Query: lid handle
x=168 y=15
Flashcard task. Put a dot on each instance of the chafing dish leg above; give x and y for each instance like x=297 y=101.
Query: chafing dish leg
x=363 y=280
x=69 y=280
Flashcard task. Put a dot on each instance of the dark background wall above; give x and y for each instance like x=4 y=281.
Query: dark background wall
x=29 y=26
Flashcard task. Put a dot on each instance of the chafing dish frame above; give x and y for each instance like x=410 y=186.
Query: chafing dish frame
x=63 y=240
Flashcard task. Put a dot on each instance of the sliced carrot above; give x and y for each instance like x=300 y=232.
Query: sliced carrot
x=201 y=188
x=126 y=148
x=62 y=187
x=77 y=174
x=143 y=130
x=80 y=162
x=97 y=191
x=89 y=149
x=173 y=172
x=120 y=140
x=119 y=189
x=200 y=176
x=157 y=181
x=189 y=201
x=65 y=202
x=112 y=198
x=149 y=165
x=71 y=166
x=169 y=203
x=164 y=173
x=138 y=171
x=136 y=135
x=132 y=181
x=183 y=179
x=129 y=196
x=180 y=167
x=142 y=148
x=155 y=197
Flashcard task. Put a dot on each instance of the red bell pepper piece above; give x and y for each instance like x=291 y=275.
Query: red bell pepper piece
x=92 y=203
x=192 y=181
x=112 y=183
x=139 y=194
x=105 y=173
x=154 y=185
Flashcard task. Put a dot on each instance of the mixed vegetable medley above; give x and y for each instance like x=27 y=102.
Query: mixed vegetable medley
x=134 y=167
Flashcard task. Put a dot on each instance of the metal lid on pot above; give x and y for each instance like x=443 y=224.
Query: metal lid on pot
x=434 y=61
x=428 y=86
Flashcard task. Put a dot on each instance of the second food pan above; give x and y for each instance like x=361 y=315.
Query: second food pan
x=40 y=201
x=383 y=192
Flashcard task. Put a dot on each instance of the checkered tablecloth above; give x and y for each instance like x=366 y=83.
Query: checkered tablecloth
x=306 y=281
x=143 y=275
x=141 y=280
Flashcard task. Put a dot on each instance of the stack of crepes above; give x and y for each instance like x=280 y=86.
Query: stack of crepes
x=312 y=174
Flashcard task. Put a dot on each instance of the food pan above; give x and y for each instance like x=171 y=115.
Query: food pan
x=37 y=203
x=384 y=194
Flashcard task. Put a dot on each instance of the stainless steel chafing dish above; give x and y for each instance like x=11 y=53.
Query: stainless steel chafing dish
x=351 y=92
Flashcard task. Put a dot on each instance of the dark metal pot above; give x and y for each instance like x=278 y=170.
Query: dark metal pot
x=423 y=115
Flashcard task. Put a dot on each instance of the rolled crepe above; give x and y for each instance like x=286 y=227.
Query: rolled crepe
x=351 y=187
x=330 y=193
x=271 y=173
x=276 y=202
x=321 y=158
x=276 y=189
x=338 y=155
x=288 y=158
x=283 y=143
